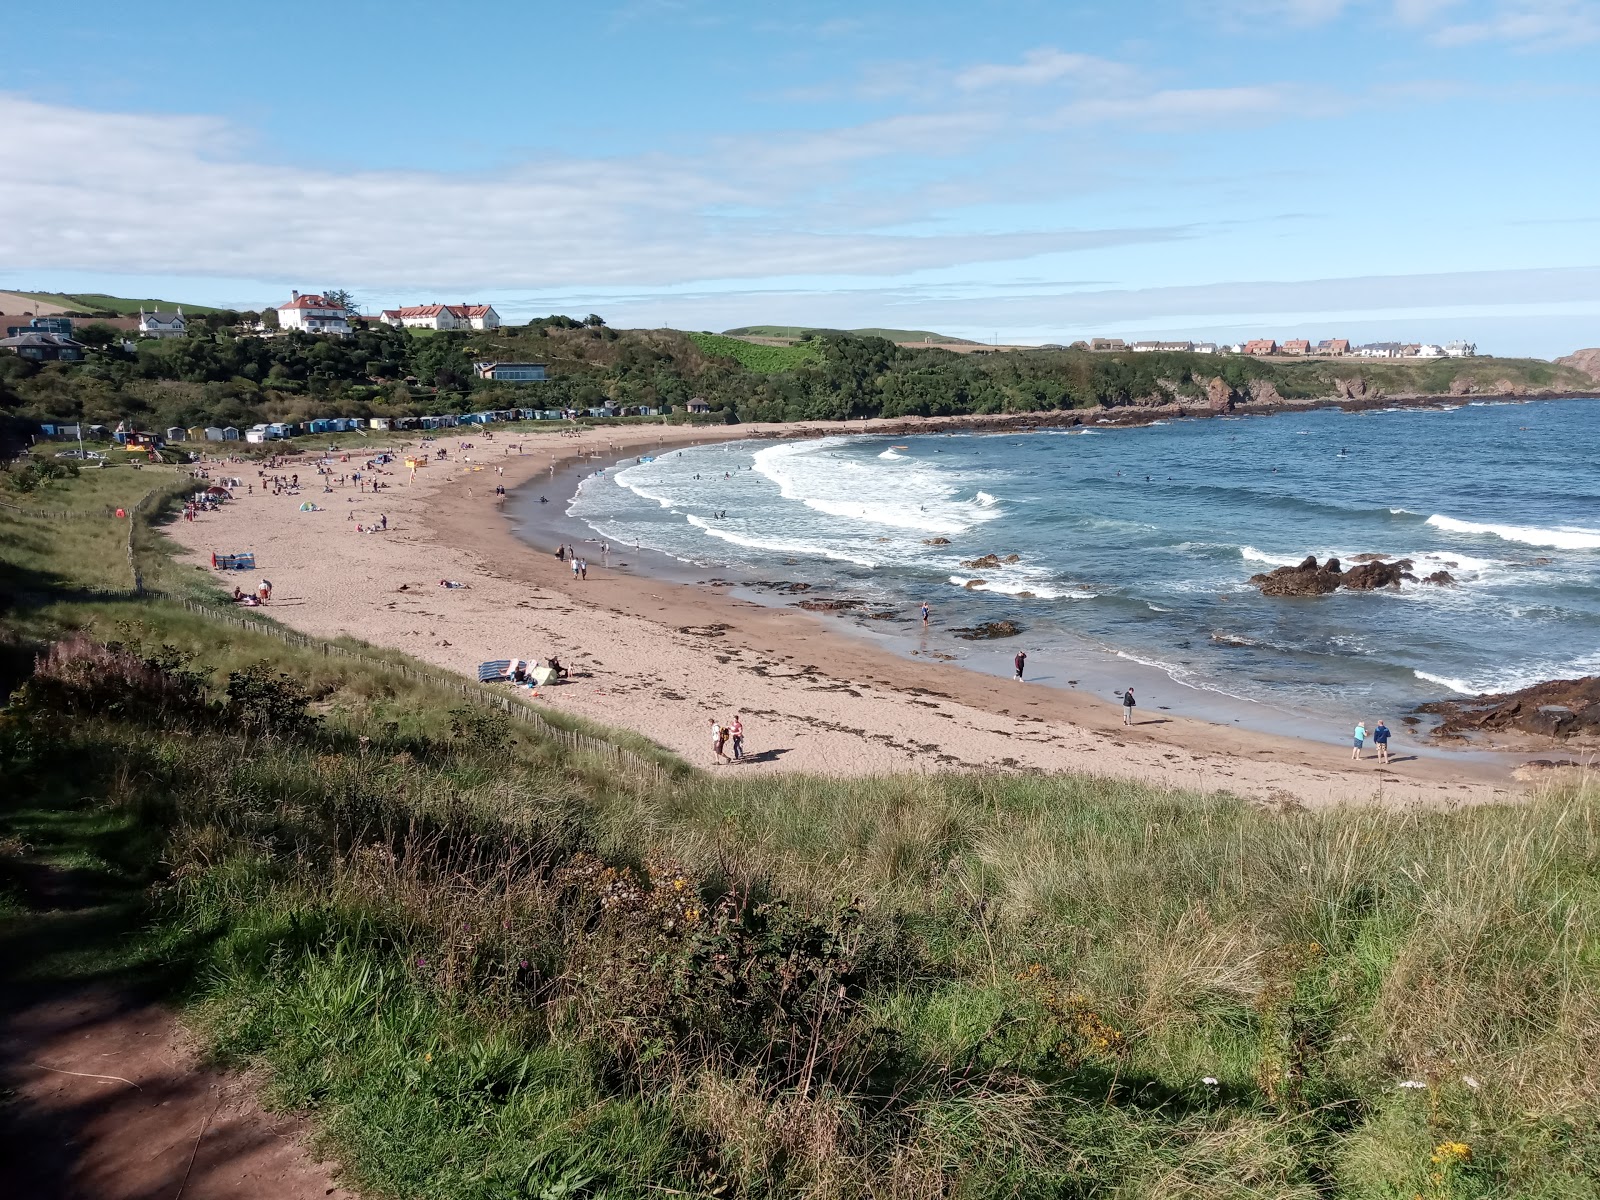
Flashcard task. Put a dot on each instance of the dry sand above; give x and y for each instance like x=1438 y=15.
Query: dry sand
x=664 y=658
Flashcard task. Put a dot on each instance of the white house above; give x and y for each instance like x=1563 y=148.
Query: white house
x=313 y=314
x=443 y=316
x=1460 y=349
x=1379 y=350
x=1428 y=350
x=504 y=372
x=1204 y=347
x=162 y=324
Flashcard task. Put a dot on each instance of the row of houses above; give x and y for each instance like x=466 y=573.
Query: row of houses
x=1297 y=348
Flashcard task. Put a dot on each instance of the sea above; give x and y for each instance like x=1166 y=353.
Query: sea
x=1134 y=548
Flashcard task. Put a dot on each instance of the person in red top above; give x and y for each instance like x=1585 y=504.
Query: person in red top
x=1019 y=662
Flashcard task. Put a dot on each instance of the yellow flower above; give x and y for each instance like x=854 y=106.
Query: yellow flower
x=1446 y=1153
x=428 y=1057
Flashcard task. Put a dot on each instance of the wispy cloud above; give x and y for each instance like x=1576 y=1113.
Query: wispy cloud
x=187 y=201
x=1527 y=24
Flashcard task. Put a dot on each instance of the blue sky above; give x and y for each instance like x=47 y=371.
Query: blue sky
x=1037 y=172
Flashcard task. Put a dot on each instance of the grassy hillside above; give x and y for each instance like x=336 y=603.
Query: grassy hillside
x=493 y=967
x=94 y=302
x=794 y=331
x=754 y=357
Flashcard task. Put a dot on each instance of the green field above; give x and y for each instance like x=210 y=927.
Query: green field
x=121 y=305
x=755 y=357
x=794 y=331
x=489 y=965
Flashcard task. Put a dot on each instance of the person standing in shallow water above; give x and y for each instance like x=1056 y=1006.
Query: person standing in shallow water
x=924 y=612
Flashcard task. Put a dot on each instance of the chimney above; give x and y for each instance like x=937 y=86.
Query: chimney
x=294 y=295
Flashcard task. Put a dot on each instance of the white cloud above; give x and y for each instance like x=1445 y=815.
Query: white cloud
x=1529 y=24
x=173 y=195
x=1045 y=65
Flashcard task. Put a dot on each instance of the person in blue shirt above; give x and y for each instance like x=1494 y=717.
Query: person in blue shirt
x=1359 y=739
x=1380 y=739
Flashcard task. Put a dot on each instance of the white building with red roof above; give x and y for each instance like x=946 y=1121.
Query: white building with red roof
x=443 y=316
x=314 y=314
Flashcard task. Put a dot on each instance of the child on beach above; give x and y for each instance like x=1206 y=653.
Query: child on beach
x=1358 y=738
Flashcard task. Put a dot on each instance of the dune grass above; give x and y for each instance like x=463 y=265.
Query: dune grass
x=492 y=968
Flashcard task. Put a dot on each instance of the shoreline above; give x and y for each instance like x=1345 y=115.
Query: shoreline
x=661 y=657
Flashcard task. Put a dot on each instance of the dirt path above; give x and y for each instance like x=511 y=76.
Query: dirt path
x=103 y=1095
x=107 y=1100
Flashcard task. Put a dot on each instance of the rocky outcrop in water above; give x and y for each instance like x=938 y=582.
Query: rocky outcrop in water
x=989 y=629
x=990 y=560
x=940 y=541
x=1560 y=708
x=1219 y=395
x=1440 y=579
x=1310 y=578
x=1307 y=579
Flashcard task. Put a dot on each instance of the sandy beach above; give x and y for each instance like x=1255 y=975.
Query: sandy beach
x=663 y=658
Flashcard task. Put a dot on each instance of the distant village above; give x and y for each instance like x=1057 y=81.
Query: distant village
x=1296 y=348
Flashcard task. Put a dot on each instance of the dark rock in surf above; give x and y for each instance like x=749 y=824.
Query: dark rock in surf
x=1566 y=709
x=989 y=629
x=1370 y=576
x=1441 y=579
x=1307 y=579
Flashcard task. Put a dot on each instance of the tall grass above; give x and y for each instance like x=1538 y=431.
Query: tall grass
x=493 y=968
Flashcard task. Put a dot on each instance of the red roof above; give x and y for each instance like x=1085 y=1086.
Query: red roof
x=468 y=310
x=461 y=311
x=308 y=302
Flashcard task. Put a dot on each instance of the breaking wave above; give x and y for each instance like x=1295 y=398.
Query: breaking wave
x=1559 y=538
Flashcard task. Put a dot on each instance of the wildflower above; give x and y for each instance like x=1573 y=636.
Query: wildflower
x=428 y=1057
x=421 y=962
x=523 y=964
x=1412 y=1083
x=1446 y=1153
x=1210 y=1081
x=1471 y=1082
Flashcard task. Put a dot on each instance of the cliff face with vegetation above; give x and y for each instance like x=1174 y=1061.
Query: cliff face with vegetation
x=221 y=375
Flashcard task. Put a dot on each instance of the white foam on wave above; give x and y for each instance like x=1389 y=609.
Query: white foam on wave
x=1182 y=676
x=1565 y=537
x=1514 y=680
x=891 y=454
x=1251 y=554
x=782 y=547
x=1016 y=587
x=985 y=500
x=917 y=496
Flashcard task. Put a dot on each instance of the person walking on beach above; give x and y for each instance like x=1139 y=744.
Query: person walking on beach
x=583 y=568
x=1359 y=737
x=1380 y=739
x=1127 y=707
x=1020 y=661
x=719 y=737
x=738 y=737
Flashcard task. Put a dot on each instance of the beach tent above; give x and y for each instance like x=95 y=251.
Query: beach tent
x=494 y=671
x=307 y=506
x=542 y=676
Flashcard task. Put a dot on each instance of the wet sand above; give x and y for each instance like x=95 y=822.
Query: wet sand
x=663 y=657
